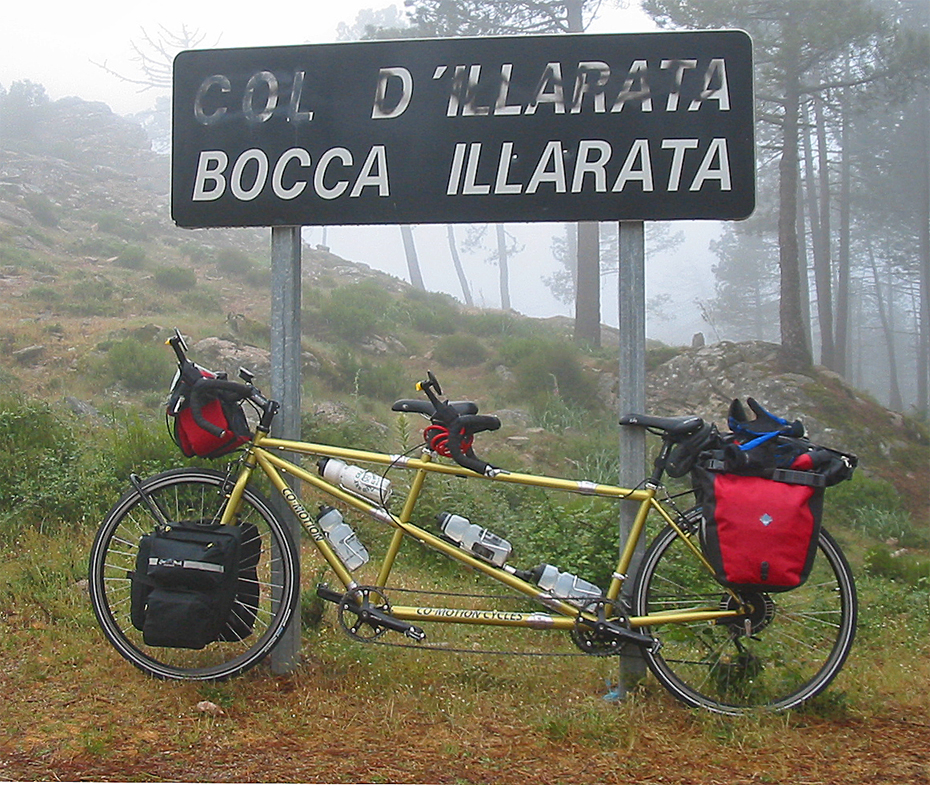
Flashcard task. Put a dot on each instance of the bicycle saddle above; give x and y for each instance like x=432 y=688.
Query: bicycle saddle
x=676 y=427
x=419 y=406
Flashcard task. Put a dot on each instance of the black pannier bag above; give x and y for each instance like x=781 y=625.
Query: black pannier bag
x=761 y=491
x=185 y=584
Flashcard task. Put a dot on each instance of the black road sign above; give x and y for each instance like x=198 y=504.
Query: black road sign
x=654 y=126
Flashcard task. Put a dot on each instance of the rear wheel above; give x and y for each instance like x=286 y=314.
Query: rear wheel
x=198 y=495
x=786 y=650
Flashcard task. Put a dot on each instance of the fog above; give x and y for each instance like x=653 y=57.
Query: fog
x=76 y=50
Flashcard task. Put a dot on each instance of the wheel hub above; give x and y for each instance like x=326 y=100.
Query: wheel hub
x=760 y=610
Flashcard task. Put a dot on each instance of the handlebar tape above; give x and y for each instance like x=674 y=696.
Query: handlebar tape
x=466 y=425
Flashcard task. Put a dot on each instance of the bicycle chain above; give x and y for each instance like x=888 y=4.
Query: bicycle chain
x=377 y=641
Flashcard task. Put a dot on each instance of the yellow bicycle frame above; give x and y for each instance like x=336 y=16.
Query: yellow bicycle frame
x=263 y=453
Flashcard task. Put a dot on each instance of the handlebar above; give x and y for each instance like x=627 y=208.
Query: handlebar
x=201 y=389
x=461 y=423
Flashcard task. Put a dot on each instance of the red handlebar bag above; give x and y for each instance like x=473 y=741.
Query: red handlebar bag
x=194 y=440
x=759 y=534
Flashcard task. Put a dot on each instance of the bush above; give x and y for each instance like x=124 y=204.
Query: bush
x=43 y=482
x=551 y=368
x=132 y=257
x=456 y=351
x=42 y=209
x=120 y=227
x=383 y=382
x=139 y=366
x=354 y=312
x=176 y=279
x=232 y=261
x=908 y=568
x=92 y=297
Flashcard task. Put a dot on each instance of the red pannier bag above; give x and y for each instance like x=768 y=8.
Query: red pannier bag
x=760 y=534
x=225 y=414
x=194 y=440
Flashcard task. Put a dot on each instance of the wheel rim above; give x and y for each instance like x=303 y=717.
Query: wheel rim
x=190 y=496
x=797 y=641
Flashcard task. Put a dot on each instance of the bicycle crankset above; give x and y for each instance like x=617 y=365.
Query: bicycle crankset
x=365 y=614
x=606 y=633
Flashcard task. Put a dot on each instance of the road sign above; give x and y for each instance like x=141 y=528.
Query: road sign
x=655 y=126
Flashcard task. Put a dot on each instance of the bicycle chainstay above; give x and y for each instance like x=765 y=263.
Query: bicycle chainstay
x=377 y=641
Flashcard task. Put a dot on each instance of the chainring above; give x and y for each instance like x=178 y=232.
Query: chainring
x=351 y=621
x=590 y=637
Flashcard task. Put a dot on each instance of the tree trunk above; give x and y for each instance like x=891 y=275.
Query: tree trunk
x=793 y=334
x=413 y=264
x=841 y=344
x=457 y=262
x=895 y=401
x=823 y=275
x=588 y=263
x=503 y=266
x=923 y=217
x=588 y=285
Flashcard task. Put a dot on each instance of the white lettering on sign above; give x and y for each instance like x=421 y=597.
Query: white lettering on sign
x=379 y=111
x=291 y=174
x=259 y=99
x=591 y=170
x=595 y=88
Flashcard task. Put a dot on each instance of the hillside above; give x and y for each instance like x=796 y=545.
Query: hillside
x=89 y=256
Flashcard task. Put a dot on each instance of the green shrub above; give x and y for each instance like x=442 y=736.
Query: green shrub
x=125 y=229
x=139 y=366
x=92 y=297
x=43 y=482
x=176 y=279
x=550 y=368
x=384 y=381
x=44 y=294
x=456 y=351
x=42 y=209
x=429 y=313
x=232 y=261
x=132 y=257
x=354 y=312
x=912 y=569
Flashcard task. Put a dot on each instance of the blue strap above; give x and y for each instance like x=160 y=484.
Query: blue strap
x=759 y=440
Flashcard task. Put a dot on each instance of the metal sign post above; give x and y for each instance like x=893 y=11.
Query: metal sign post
x=632 y=398
x=285 y=387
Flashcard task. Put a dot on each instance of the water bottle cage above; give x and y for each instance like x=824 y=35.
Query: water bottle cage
x=437 y=439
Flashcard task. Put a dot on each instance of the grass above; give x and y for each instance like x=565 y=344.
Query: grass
x=73 y=709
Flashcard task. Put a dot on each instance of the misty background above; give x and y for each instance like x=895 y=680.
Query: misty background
x=842 y=118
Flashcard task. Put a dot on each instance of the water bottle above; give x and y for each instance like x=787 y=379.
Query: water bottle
x=564 y=585
x=355 y=480
x=343 y=540
x=471 y=537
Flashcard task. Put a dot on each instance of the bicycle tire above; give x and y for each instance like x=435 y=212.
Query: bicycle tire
x=798 y=643
x=191 y=494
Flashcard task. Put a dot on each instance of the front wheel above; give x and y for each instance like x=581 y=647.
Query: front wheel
x=786 y=651
x=194 y=495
